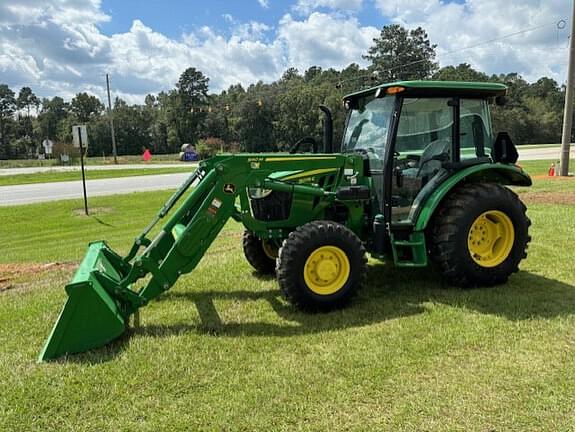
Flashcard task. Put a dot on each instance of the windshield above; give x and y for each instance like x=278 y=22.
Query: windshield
x=368 y=125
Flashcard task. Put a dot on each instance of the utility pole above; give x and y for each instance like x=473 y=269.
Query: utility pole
x=114 y=151
x=568 y=111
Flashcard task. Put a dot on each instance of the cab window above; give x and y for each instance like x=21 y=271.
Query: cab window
x=475 y=129
x=423 y=144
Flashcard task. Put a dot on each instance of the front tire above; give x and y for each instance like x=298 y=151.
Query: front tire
x=480 y=235
x=321 y=266
x=261 y=254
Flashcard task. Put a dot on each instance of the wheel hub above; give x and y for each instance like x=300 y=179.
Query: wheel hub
x=270 y=249
x=491 y=238
x=326 y=270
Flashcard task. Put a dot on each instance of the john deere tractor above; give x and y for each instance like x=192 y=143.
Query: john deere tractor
x=419 y=178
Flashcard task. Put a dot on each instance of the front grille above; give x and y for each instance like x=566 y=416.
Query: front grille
x=276 y=206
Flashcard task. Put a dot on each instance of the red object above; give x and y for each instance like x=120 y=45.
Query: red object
x=551 y=172
x=147 y=156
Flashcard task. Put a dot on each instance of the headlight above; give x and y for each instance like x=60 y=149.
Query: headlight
x=258 y=193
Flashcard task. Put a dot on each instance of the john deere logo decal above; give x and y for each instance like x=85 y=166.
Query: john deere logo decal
x=229 y=188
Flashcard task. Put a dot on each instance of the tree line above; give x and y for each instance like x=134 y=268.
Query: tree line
x=263 y=116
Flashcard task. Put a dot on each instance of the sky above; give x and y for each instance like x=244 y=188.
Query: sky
x=62 y=47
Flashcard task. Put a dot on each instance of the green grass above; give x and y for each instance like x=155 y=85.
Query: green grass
x=223 y=351
x=93 y=160
x=50 y=177
x=536 y=167
x=537 y=146
x=156 y=158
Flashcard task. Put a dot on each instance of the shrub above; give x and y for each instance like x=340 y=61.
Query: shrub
x=209 y=147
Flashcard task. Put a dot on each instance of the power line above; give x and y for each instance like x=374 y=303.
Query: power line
x=560 y=24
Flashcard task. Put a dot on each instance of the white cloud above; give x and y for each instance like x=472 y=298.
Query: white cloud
x=325 y=40
x=151 y=57
x=264 y=3
x=53 y=46
x=57 y=48
x=453 y=26
x=307 y=6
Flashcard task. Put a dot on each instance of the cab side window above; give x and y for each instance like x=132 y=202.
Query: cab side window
x=474 y=128
x=423 y=143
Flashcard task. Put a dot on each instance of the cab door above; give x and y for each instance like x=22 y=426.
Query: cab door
x=424 y=141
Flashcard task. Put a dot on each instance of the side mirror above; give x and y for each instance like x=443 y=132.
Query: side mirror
x=504 y=150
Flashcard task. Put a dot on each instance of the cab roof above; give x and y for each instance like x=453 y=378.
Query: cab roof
x=439 y=88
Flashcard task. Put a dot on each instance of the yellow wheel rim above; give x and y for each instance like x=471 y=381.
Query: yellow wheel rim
x=326 y=270
x=270 y=250
x=491 y=238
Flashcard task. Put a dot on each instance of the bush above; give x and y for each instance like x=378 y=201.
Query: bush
x=60 y=148
x=233 y=147
x=209 y=147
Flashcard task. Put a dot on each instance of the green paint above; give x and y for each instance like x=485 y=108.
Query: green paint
x=105 y=292
x=494 y=173
x=287 y=191
x=486 y=89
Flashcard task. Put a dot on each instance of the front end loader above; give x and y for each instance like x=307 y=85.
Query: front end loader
x=418 y=178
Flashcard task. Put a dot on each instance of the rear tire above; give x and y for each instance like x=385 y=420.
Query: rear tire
x=321 y=266
x=259 y=253
x=479 y=235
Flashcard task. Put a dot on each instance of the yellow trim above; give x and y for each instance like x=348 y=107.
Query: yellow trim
x=490 y=238
x=295 y=158
x=308 y=173
x=326 y=270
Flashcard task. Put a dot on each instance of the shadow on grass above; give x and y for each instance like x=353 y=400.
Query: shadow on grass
x=389 y=293
x=101 y=222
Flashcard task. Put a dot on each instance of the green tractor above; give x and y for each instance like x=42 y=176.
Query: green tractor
x=419 y=178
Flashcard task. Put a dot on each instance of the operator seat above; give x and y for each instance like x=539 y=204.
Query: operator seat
x=429 y=162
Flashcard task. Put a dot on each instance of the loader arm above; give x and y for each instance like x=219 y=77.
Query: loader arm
x=103 y=293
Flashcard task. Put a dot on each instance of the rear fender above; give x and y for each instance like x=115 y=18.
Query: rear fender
x=484 y=173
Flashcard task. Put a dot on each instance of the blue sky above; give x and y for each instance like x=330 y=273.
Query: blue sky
x=62 y=47
x=192 y=15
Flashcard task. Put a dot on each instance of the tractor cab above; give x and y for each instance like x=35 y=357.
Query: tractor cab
x=415 y=134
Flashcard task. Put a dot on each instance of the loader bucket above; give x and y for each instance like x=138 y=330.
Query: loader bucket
x=91 y=317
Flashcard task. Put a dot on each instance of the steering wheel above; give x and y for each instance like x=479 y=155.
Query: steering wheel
x=303 y=140
x=441 y=157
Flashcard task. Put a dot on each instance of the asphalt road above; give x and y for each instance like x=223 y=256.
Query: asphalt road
x=32 y=193
x=543 y=153
x=33 y=170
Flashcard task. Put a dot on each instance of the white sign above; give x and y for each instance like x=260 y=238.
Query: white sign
x=47 y=144
x=77 y=131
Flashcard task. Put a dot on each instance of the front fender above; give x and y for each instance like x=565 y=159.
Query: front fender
x=483 y=173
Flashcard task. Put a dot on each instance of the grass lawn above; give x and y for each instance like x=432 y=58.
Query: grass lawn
x=156 y=158
x=538 y=146
x=50 y=177
x=536 y=168
x=92 y=160
x=539 y=168
x=223 y=351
